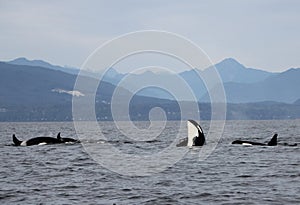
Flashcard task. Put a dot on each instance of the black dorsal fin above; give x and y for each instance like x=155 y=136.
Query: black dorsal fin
x=16 y=141
x=58 y=136
x=273 y=141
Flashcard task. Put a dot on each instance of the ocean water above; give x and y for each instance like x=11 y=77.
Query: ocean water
x=231 y=174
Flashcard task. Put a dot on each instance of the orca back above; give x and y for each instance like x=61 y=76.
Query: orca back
x=245 y=142
x=42 y=140
x=67 y=139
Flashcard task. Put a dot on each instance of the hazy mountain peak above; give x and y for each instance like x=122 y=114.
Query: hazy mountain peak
x=292 y=70
x=25 y=61
x=297 y=102
x=230 y=62
x=111 y=72
x=231 y=70
x=21 y=59
x=41 y=63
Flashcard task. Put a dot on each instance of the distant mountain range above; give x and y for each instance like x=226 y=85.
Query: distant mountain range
x=43 y=64
x=35 y=90
x=232 y=71
x=242 y=85
x=281 y=87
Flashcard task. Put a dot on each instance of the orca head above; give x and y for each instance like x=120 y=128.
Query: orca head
x=195 y=134
x=16 y=141
x=273 y=141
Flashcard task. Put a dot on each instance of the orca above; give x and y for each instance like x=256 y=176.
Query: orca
x=66 y=139
x=195 y=135
x=272 y=142
x=290 y=145
x=36 y=141
x=43 y=140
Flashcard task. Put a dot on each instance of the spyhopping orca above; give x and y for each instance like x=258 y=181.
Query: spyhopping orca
x=273 y=142
x=42 y=140
x=195 y=135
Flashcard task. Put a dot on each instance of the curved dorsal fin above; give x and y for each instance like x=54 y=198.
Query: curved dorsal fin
x=58 y=136
x=273 y=141
x=16 y=141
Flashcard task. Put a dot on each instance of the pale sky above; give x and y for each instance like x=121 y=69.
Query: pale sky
x=263 y=34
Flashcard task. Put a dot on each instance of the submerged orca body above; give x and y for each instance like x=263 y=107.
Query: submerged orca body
x=272 y=142
x=42 y=140
x=195 y=135
x=290 y=145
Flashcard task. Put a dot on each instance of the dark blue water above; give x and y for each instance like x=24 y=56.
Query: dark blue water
x=232 y=174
